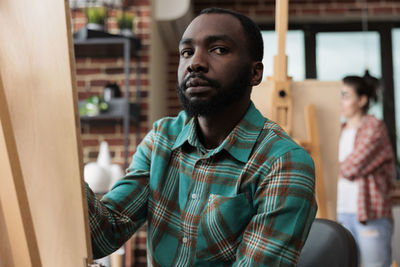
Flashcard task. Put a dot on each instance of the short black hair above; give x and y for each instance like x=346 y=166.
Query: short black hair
x=255 y=44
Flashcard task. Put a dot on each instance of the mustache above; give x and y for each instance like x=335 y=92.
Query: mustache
x=209 y=81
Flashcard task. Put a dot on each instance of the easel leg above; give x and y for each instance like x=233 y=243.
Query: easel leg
x=15 y=208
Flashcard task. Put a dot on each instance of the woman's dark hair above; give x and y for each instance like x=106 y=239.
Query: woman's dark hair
x=255 y=44
x=366 y=85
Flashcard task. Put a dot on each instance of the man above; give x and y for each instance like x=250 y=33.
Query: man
x=218 y=185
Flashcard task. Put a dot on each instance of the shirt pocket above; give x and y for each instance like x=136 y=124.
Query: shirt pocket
x=221 y=226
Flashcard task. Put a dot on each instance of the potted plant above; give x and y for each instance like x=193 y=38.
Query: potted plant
x=96 y=17
x=125 y=24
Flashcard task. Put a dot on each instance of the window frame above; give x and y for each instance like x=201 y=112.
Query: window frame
x=384 y=29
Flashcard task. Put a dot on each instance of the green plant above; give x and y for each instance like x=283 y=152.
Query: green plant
x=93 y=106
x=96 y=15
x=125 y=21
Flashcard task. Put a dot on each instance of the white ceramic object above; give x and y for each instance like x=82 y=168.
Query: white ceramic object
x=97 y=177
x=104 y=157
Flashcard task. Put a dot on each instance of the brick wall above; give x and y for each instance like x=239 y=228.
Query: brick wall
x=174 y=105
x=308 y=9
x=93 y=74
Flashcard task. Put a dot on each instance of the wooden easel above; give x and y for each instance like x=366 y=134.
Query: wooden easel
x=24 y=249
x=281 y=105
x=42 y=199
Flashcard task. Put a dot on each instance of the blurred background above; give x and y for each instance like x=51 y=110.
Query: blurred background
x=126 y=65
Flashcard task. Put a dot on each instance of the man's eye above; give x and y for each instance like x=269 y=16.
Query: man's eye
x=186 y=53
x=220 y=50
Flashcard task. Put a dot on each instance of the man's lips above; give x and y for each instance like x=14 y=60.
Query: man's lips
x=197 y=86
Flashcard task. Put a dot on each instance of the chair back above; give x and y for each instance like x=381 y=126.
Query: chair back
x=329 y=244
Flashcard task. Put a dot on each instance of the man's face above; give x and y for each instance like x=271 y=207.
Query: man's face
x=215 y=66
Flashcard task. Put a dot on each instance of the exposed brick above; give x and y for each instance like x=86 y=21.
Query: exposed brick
x=90 y=142
x=93 y=154
x=144 y=94
x=115 y=141
x=382 y=10
x=80 y=60
x=84 y=95
x=346 y=1
x=80 y=83
x=88 y=71
x=142 y=2
x=143 y=36
x=335 y=11
x=79 y=25
x=104 y=60
x=144 y=106
x=98 y=82
x=310 y=11
x=143 y=118
x=354 y=10
x=114 y=70
x=143 y=25
x=293 y=11
x=264 y=12
x=143 y=82
x=248 y=2
x=102 y=129
x=78 y=13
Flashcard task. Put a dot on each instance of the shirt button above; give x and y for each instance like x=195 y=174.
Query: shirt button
x=184 y=240
x=194 y=196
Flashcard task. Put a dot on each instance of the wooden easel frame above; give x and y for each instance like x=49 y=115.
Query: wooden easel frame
x=17 y=217
x=34 y=86
x=281 y=105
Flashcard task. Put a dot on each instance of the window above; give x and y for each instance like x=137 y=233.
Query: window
x=349 y=53
x=294 y=51
x=396 y=76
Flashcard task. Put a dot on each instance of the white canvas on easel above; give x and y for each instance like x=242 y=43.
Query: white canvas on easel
x=37 y=73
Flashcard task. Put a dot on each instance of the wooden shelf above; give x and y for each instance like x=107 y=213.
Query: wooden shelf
x=116 y=112
x=97 y=44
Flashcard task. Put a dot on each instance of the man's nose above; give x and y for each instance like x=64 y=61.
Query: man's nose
x=198 y=62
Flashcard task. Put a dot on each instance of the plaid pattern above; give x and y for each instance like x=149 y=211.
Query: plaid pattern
x=248 y=202
x=371 y=164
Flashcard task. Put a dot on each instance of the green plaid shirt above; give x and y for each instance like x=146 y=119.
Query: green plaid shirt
x=248 y=202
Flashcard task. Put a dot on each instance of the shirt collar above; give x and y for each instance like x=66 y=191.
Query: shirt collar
x=239 y=143
x=188 y=134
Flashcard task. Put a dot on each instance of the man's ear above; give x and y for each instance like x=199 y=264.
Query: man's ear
x=256 y=73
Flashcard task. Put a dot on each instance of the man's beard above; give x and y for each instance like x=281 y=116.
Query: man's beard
x=218 y=102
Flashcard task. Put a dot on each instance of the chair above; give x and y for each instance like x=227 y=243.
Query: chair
x=329 y=244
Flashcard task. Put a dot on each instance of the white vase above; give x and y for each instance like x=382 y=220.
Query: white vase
x=97 y=177
x=104 y=157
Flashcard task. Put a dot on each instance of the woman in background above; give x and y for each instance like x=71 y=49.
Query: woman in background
x=365 y=175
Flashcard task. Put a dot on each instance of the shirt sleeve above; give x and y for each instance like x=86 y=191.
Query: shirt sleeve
x=116 y=217
x=369 y=152
x=286 y=208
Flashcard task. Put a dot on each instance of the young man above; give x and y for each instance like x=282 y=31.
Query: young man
x=219 y=185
